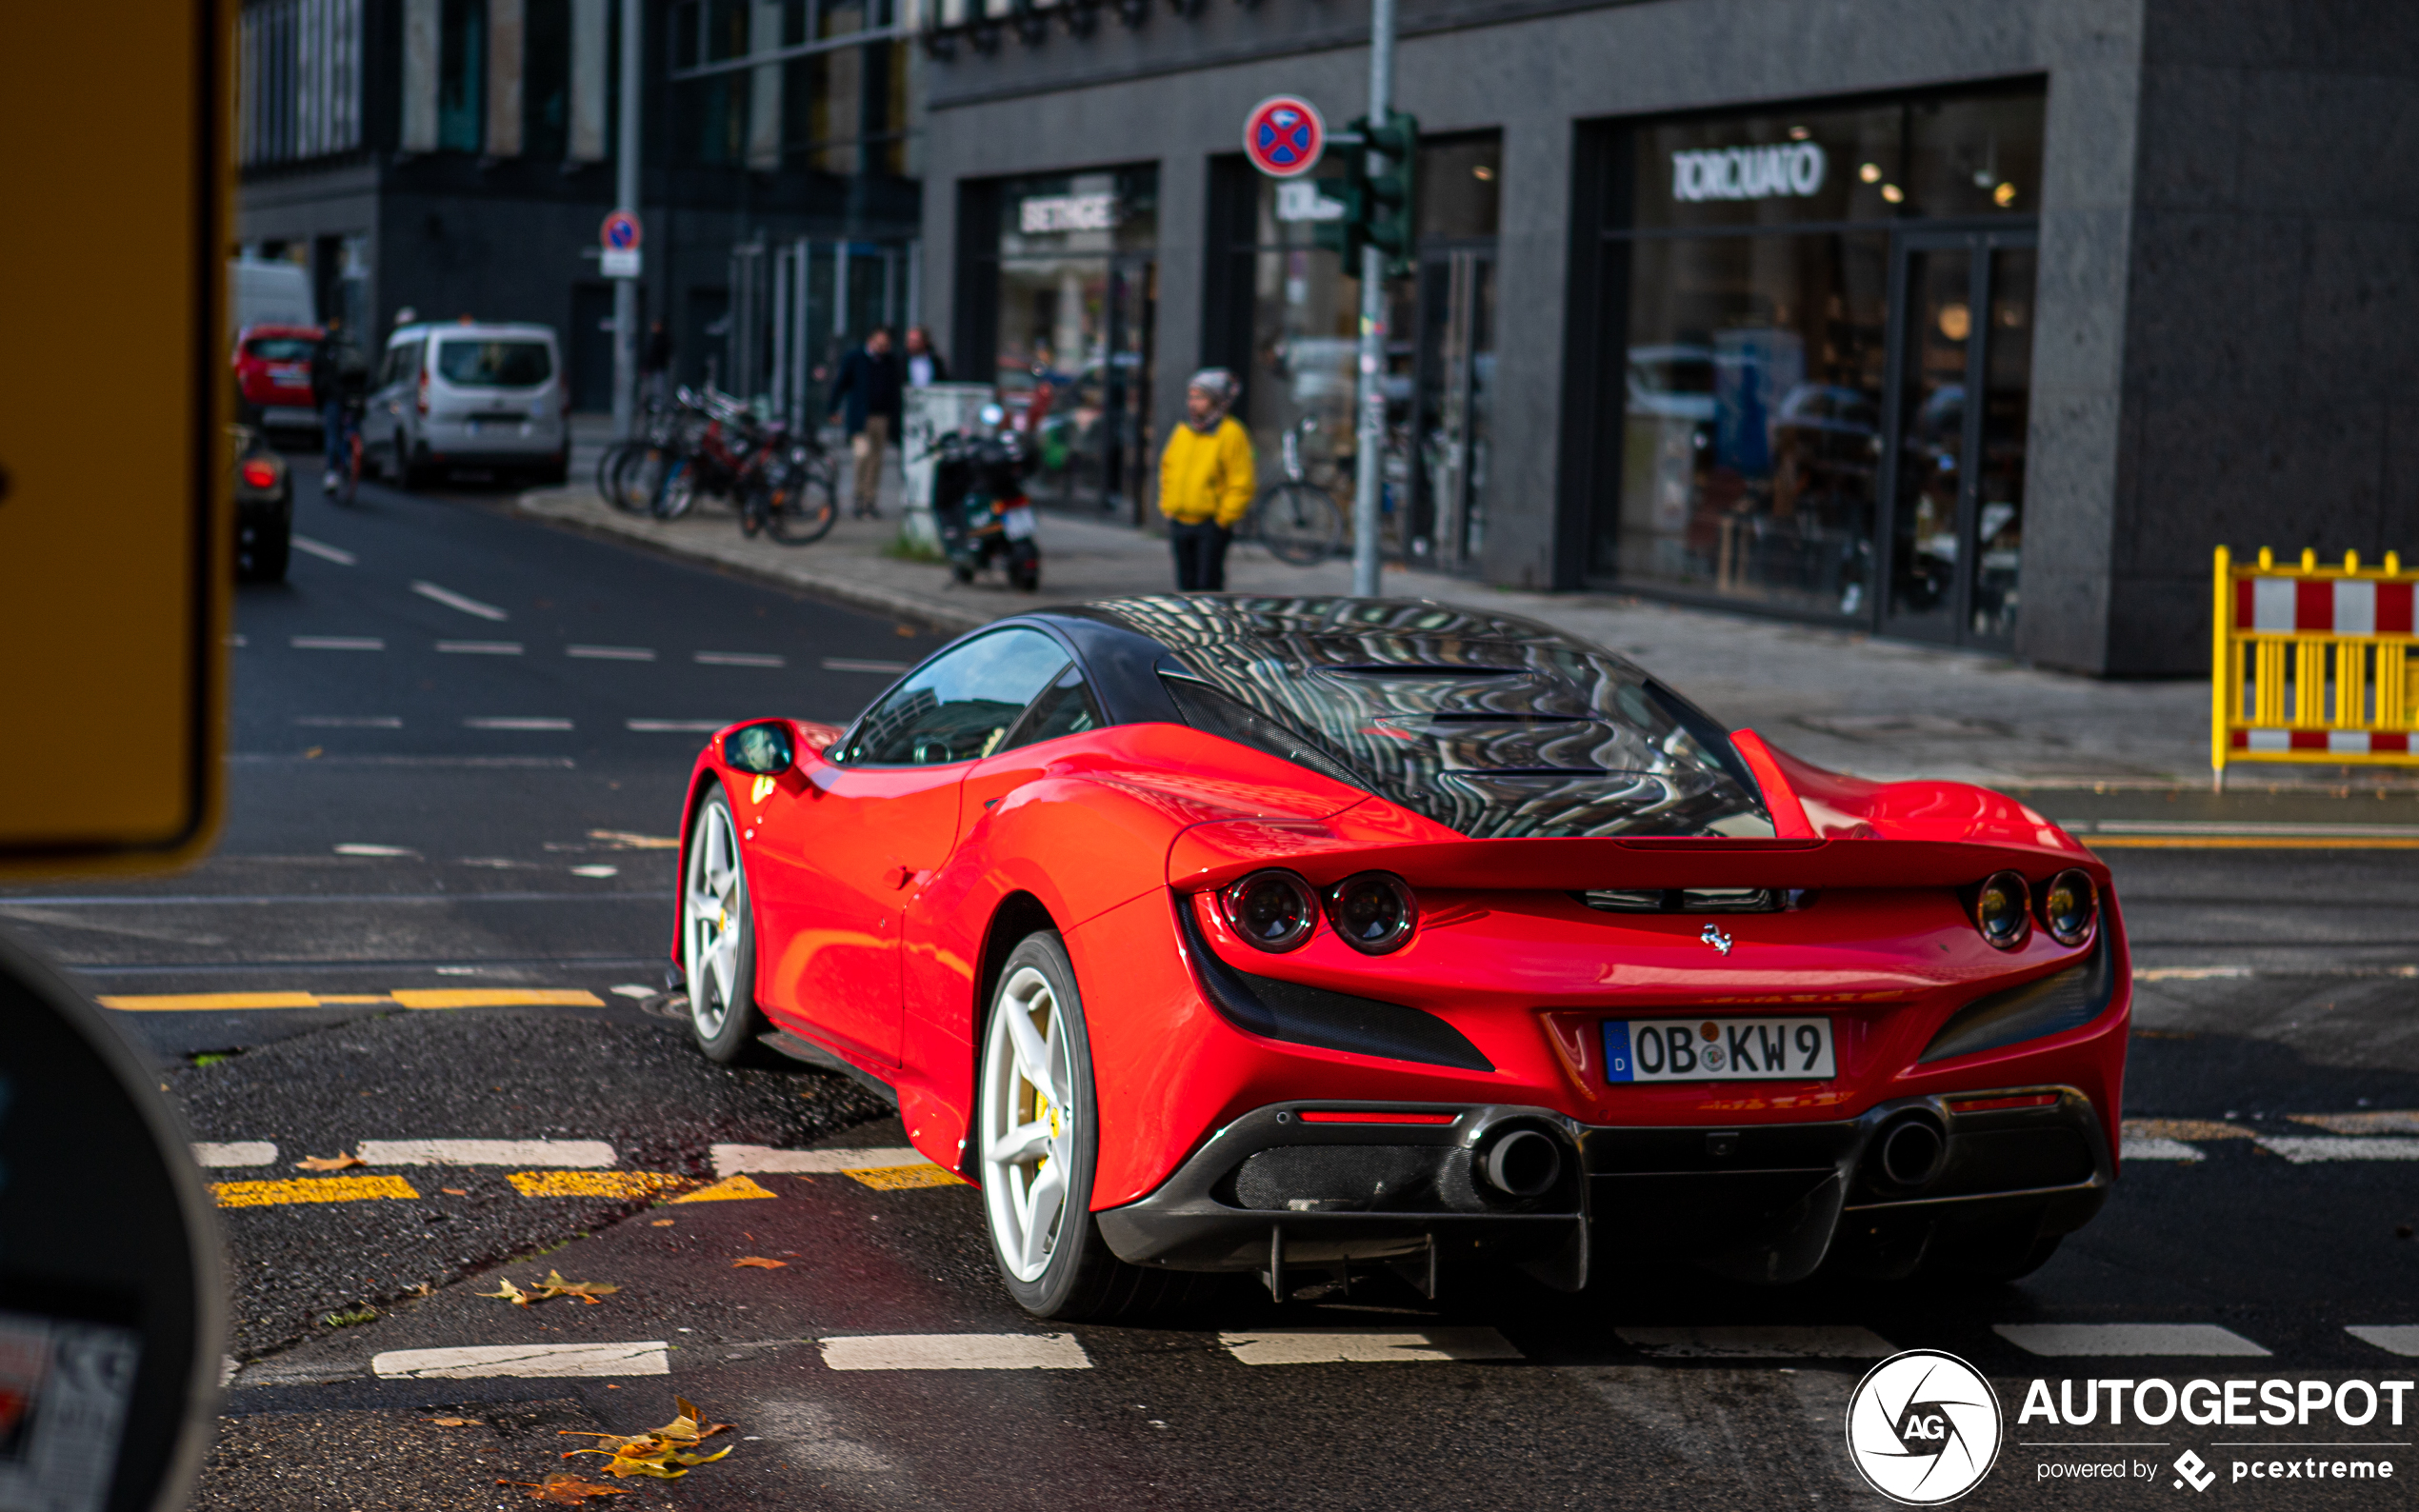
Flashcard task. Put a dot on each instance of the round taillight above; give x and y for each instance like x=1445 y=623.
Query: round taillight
x=1274 y=910
x=2003 y=909
x=1375 y=912
x=260 y=474
x=2070 y=907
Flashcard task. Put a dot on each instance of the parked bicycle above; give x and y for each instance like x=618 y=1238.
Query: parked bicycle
x=629 y=472
x=707 y=442
x=1297 y=520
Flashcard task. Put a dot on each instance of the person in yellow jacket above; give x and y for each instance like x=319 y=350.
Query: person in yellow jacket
x=1207 y=479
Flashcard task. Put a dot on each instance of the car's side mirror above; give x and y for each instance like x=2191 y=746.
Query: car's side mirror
x=762 y=750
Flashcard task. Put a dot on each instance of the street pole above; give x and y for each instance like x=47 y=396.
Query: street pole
x=626 y=196
x=1372 y=423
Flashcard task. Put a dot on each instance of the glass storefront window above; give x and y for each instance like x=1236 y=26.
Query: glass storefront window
x=1077 y=294
x=1770 y=451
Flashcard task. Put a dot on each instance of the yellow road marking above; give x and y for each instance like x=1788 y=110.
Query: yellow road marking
x=904 y=1178
x=2251 y=841
x=312 y=1190
x=496 y=998
x=208 y=1002
x=733 y=1189
x=593 y=1183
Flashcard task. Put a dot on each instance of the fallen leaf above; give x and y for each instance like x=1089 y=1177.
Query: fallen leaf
x=590 y=1292
x=452 y=1423
x=453 y=1191
x=511 y=1293
x=329 y=1162
x=758 y=1261
x=661 y=1222
x=566 y=1490
x=665 y=1453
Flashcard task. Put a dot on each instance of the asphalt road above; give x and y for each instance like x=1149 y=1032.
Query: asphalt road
x=416 y=810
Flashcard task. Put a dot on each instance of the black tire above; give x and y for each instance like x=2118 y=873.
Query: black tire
x=1024 y=566
x=724 y=1026
x=805 y=512
x=963 y=572
x=675 y=493
x=1081 y=1279
x=1299 y=523
x=607 y=461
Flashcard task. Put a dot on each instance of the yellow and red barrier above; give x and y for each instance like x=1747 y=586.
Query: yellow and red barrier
x=2313 y=663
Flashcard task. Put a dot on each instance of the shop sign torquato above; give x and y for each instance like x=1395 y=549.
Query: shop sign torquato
x=1747 y=172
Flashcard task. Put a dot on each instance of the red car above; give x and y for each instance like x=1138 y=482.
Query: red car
x=273 y=377
x=1214 y=933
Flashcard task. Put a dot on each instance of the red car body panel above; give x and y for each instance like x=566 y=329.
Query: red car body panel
x=284 y=383
x=879 y=892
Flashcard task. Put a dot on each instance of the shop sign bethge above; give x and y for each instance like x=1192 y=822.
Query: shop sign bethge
x=1775 y=171
x=1045 y=214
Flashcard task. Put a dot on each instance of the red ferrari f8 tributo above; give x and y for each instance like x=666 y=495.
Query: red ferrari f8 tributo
x=1215 y=934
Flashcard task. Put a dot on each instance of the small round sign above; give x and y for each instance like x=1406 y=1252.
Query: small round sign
x=620 y=232
x=1284 y=136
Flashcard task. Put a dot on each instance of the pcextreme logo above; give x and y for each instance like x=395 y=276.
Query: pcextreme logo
x=1924 y=1427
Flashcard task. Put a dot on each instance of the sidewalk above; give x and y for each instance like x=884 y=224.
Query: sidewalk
x=1847 y=701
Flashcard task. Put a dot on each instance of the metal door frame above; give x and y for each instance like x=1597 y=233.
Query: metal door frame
x=1978 y=244
x=1446 y=506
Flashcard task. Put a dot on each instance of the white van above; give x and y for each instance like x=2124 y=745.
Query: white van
x=473 y=395
x=269 y=294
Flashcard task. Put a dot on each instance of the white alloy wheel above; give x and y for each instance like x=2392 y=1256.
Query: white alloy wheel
x=1028 y=1122
x=713 y=929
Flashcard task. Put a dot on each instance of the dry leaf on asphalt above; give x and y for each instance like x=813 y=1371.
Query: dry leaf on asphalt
x=664 y=1453
x=758 y=1261
x=590 y=1292
x=329 y=1162
x=511 y=1293
x=453 y=1191
x=452 y=1423
x=566 y=1490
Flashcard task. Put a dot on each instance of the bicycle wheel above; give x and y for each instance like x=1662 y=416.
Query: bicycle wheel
x=1299 y=523
x=637 y=473
x=608 y=465
x=808 y=504
x=675 y=492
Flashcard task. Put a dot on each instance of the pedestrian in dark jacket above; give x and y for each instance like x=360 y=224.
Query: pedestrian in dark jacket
x=864 y=398
x=925 y=366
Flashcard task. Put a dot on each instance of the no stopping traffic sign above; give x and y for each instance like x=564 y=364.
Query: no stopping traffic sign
x=1284 y=136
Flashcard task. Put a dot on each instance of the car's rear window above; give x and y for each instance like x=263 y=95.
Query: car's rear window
x=494 y=364
x=280 y=348
x=1466 y=719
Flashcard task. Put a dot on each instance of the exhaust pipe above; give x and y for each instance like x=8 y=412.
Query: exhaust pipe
x=1912 y=1148
x=1523 y=1163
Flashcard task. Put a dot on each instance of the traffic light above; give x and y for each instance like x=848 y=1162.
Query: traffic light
x=1379 y=209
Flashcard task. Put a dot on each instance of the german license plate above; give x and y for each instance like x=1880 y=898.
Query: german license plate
x=1718 y=1050
x=276 y=416
x=1017 y=524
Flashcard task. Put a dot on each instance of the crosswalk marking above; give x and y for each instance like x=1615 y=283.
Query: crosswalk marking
x=955 y=1352
x=591 y=1154
x=2304 y=1149
x=2382 y=1120
x=474 y=1362
x=2395 y=1339
x=240 y=1152
x=730 y=1159
x=302 y=1189
x=1322 y=1346
x=2149 y=1149
x=1822 y=1342
x=594 y=1184
x=2125 y=1339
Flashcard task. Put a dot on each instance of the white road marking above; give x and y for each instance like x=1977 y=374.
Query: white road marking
x=759 y=1160
x=455 y=600
x=480 y=648
x=850 y=663
x=1322 y=1346
x=335 y=642
x=2125 y=1339
x=2149 y=1149
x=611 y=653
x=238 y=642
x=516 y=722
x=956 y=1352
x=674 y=727
x=349 y=722
x=2307 y=1149
x=323 y=550
x=241 y=1152
x=474 y=1362
x=631 y=989
x=2395 y=1339
x=560 y=1154
x=356 y=848
x=2383 y=1121
x=1821 y=1342
x=739 y=659
x=596 y=871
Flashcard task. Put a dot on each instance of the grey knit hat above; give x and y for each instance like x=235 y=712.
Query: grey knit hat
x=1217 y=383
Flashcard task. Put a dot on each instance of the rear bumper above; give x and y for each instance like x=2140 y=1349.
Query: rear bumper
x=1767 y=1204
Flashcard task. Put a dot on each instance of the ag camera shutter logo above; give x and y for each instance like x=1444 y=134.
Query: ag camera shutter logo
x=1924 y=1427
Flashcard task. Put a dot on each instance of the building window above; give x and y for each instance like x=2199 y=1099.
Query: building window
x=299 y=94
x=1802 y=307
x=462 y=88
x=546 y=79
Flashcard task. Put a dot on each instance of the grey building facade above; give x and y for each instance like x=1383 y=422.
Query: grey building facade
x=1978 y=322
